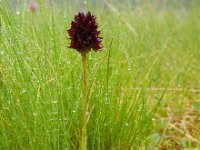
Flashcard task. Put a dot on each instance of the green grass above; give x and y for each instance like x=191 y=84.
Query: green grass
x=143 y=87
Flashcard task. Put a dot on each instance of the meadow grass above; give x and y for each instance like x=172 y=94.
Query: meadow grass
x=143 y=87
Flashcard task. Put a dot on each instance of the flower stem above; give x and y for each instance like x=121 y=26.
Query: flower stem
x=84 y=106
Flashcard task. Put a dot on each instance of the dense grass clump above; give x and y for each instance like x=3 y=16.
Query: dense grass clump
x=141 y=86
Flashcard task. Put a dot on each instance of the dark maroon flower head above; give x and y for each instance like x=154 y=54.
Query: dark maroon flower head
x=84 y=34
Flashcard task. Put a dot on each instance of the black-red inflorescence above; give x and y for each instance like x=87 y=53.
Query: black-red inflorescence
x=84 y=34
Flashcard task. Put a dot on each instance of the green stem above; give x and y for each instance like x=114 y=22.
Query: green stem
x=84 y=106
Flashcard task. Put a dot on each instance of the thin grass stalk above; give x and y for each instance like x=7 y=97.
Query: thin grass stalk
x=84 y=105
